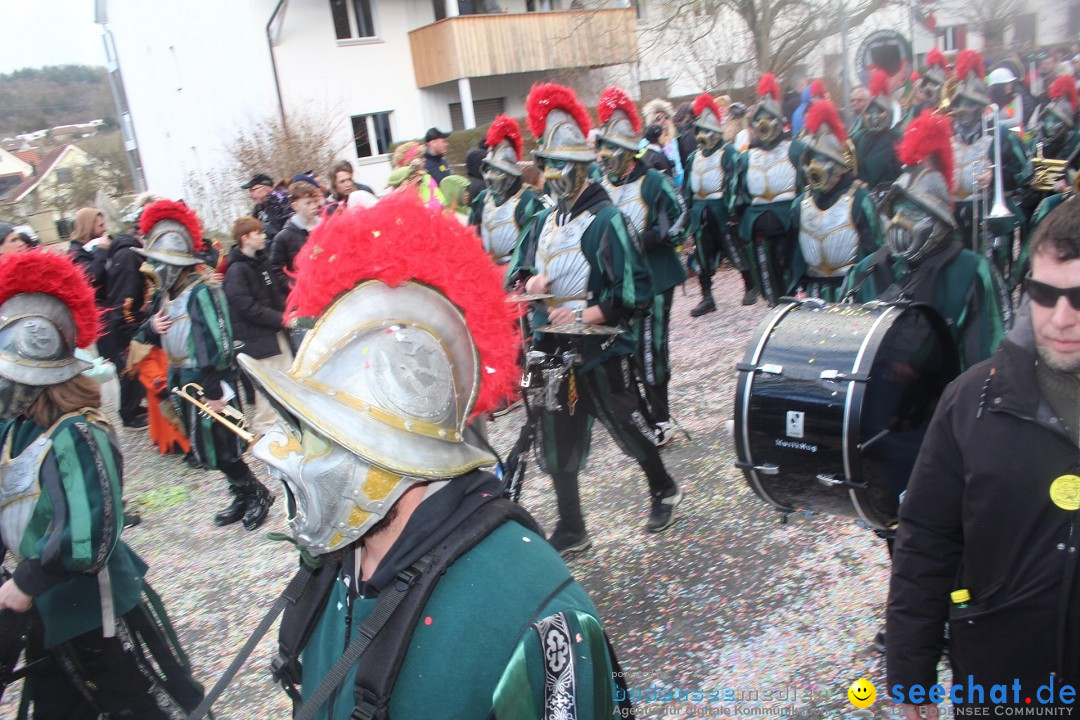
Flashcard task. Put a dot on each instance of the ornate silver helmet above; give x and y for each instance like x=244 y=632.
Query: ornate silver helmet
x=617 y=137
x=707 y=114
x=918 y=206
x=619 y=119
x=171 y=234
x=768 y=119
x=971 y=96
x=504 y=145
x=934 y=76
x=560 y=124
x=382 y=387
x=878 y=114
x=47 y=309
x=827 y=157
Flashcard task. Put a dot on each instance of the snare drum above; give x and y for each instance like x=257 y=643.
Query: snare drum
x=833 y=401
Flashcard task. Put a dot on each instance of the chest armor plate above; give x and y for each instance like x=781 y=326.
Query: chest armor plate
x=828 y=238
x=19 y=491
x=707 y=176
x=628 y=198
x=770 y=176
x=175 y=341
x=498 y=229
x=970 y=162
x=559 y=256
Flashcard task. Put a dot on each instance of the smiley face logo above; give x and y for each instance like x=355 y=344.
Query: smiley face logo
x=862 y=693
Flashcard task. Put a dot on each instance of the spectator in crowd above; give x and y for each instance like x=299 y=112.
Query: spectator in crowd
x=306 y=201
x=652 y=156
x=256 y=303
x=736 y=130
x=125 y=287
x=11 y=240
x=89 y=248
x=434 y=154
x=860 y=98
x=271 y=204
x=474 y=170
x=684 y=125
x=343 y=187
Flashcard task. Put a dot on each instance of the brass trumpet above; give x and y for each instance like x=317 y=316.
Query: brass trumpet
x=230 y=417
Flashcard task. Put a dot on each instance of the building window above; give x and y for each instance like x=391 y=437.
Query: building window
x=353 y=19
x=483 y=110
x=63 y=175
x=372 y=134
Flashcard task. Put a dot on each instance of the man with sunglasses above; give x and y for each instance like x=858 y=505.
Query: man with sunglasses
x=988 y=540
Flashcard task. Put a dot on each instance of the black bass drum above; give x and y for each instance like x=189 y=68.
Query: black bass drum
x=833 y=401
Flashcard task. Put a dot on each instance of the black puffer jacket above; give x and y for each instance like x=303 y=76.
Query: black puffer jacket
x=125 y=286
x=978 y=515
x=255 y=303
x=283 y=250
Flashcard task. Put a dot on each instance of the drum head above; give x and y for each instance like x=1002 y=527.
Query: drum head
x=833 y=401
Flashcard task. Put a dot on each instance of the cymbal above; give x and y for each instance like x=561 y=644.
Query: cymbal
x=526 y=297
x=579 y=328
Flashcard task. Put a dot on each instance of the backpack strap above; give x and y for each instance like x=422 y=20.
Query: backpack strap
x=397 y=610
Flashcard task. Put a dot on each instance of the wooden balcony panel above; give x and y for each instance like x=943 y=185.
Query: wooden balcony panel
x=482 y=45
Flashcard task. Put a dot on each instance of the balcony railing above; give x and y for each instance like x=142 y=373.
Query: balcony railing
x=482 y=45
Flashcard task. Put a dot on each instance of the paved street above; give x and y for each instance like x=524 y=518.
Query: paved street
x=778 y=617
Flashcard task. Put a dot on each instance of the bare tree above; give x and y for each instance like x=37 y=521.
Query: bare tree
x=312 y=141
x=778 y=34
x=990 y=18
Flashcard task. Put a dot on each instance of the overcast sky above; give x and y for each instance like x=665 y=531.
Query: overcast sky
x=49 y=32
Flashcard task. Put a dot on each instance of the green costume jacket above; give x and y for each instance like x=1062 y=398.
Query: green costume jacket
x=618 y=277
x=876 y=155
x=864 y=219
x=74 y=529
x=652 y=208
x=477 y=648
x=955 y=282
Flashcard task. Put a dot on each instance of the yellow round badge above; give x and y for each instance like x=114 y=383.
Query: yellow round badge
x=862 y=693
x=1065 y=492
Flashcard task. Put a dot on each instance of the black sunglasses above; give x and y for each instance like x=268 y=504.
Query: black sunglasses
x=1047 y=295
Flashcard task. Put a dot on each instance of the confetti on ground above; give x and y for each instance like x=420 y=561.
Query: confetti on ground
x=778 y=617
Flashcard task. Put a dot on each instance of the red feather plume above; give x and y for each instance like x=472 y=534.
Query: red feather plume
x=172 y=210
x=545 y=97
x=879 y=83
x=506 y=128
x=398 y=240
x=41 y=271
x=935 y=57
x=767 y=85
x=615 y=98
x=969 y=61
x=1065 y=87
x=705 y=100
x=817 y=89
x=928 y=134
x=824 y=112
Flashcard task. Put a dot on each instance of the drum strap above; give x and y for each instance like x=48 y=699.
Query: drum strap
x=552 y=302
